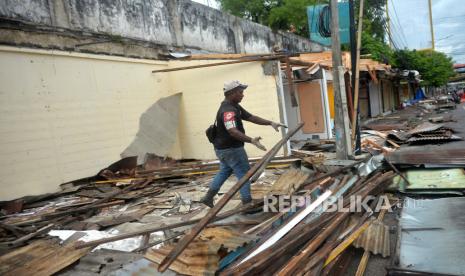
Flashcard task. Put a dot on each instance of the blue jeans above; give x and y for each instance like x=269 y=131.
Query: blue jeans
x=232 y=160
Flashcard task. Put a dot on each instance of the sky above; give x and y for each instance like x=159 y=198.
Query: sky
x=210 y=3
x=410 y=26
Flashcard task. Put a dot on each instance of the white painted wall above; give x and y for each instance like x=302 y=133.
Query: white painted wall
x=65 y=116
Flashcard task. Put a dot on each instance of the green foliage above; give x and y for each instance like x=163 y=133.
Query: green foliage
x=377 y=49
x=434 y=67
x=374 y=18
x=292 y=12
x=277 y=14
x=374 y=32
x=255 y=10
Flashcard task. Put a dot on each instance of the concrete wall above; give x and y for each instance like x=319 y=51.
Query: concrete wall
x=164 y=24
x=65 y=116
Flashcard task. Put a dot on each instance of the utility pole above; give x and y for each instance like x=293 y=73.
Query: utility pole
x=357 y=69
x=353 y=61
x=431 y=23
x=341 y=125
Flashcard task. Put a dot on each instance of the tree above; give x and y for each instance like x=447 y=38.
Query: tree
x=374 y=22
x=377 y=49
x=292 y=12
x=277 y=14
x=374 y=32
x=434 y=67
x=254 y=10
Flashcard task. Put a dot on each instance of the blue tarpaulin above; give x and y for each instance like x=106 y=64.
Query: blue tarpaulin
x=419 y=94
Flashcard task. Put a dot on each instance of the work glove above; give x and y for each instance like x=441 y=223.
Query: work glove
x=256 y=142
x=277 y=125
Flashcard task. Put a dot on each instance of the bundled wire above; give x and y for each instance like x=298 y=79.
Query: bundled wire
x=324 y=19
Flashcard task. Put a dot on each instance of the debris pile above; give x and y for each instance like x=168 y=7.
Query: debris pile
x=309 y=212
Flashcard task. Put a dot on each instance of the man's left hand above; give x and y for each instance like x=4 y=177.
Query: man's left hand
x=277 y=125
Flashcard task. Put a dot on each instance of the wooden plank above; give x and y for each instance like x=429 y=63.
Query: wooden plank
x=225 y=56
x=290 y=82
x=218 y=64
x=289 y=182
x=43 y=257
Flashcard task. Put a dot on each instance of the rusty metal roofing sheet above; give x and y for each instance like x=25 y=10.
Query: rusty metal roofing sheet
x=435 y=157
x=433 y=138
x=381 y=126
x=400 y=136
x=375 y=239
x=425 y=127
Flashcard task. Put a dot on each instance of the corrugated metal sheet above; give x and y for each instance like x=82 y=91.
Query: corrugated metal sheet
x=434 y=157
x=398 y=136
x=425 y=127
x=375 y=239
x=382 y=126
x=433 y=138
x=201 y=256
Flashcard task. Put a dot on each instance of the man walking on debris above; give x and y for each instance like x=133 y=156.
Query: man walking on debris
x=230 y=138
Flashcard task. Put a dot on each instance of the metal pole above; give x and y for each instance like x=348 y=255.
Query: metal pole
x=431 y=23
x=341 y=124
x=388 y=19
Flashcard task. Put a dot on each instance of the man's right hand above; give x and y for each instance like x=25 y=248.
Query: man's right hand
x=256 y=142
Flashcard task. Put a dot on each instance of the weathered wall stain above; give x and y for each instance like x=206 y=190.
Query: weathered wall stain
x=173 y=23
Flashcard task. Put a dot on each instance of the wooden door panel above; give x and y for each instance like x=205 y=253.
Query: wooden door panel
x=310 y=107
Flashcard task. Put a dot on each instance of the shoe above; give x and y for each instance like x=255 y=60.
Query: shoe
x=246 y=201
x=208 y=198
x=252 y=211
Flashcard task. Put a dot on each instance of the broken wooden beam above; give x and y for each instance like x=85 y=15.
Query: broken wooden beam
x=98 y=202
x=31 y=235
x=82 y=209
x=290 y=82
x=184 y=242
x=18 y=232
x=312 y=246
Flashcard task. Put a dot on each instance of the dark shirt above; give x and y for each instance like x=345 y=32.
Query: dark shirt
x=228 y=116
